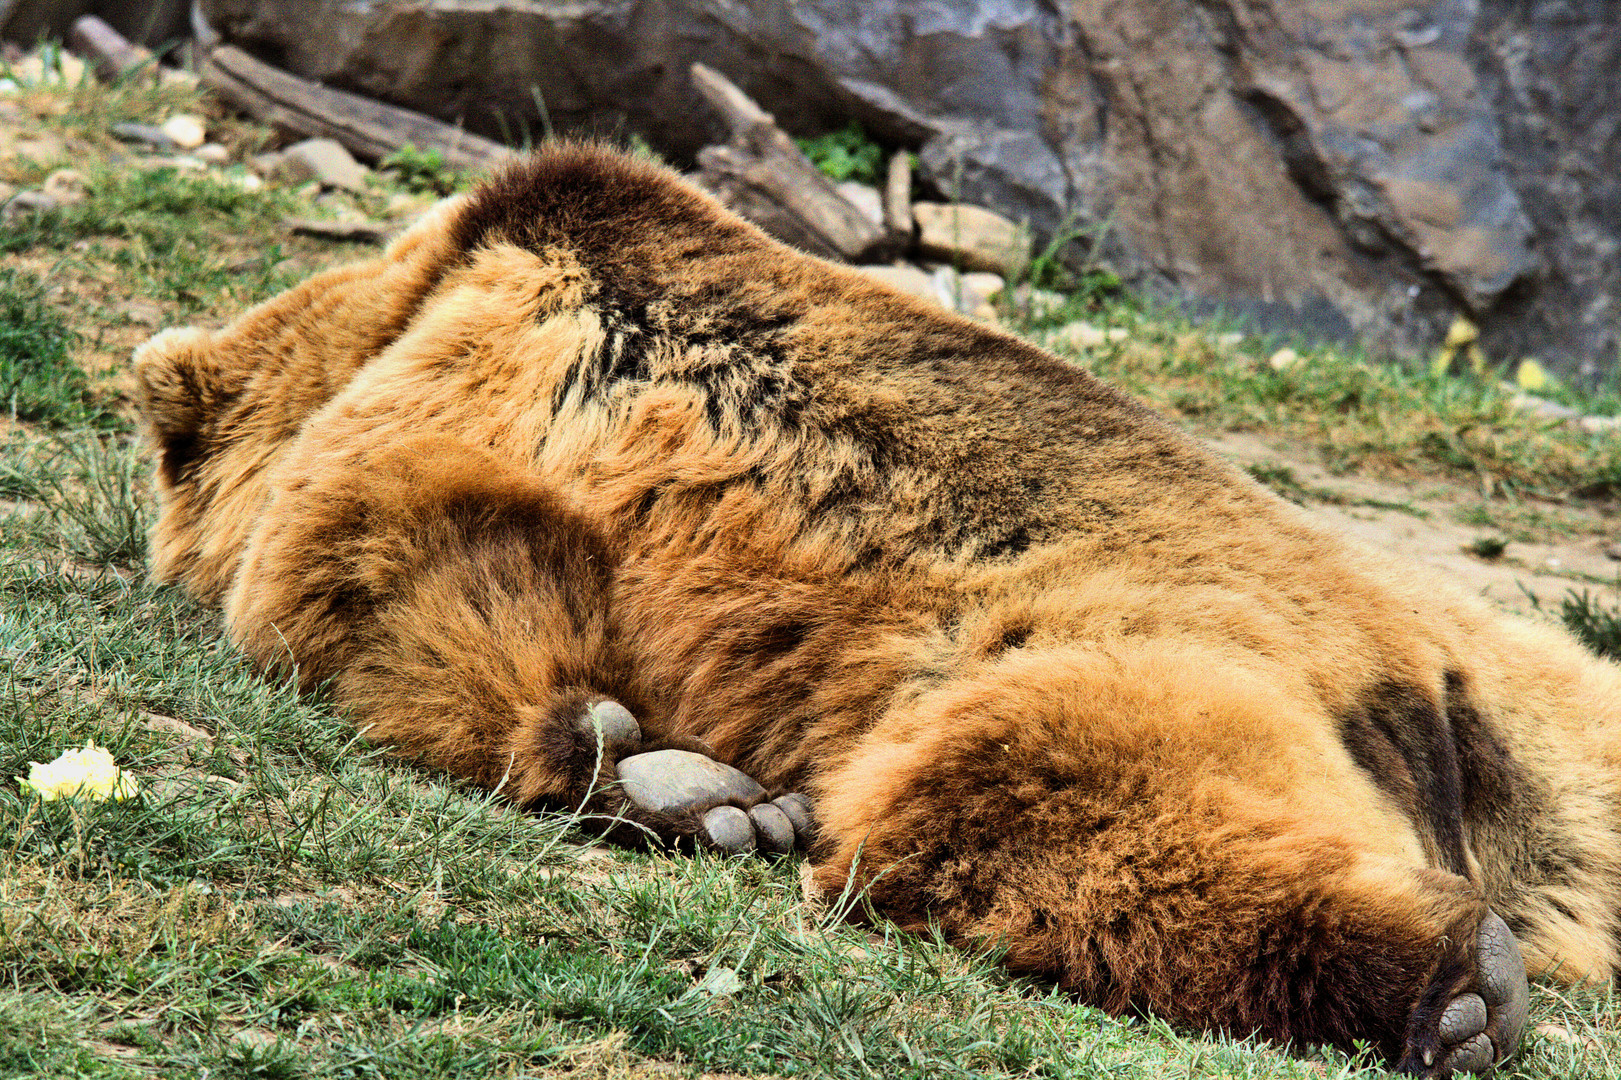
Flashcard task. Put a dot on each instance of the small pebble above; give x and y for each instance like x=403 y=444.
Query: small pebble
x=212 y=153
x=186 y=131
x=26 y=202
x=66 y=186
x=1284 y=359
x=1079 y=335
x=145 y=134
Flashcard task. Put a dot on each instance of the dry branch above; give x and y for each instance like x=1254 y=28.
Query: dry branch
x=110 y=54
x=765 y=177
x=368 y=129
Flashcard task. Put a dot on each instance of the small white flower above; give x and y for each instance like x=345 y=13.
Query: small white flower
x=90 y=772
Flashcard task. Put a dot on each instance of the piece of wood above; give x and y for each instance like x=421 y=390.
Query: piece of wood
x=898 y=195
x=354 y=232
x=763 y=175
x=369 y=129
x=110 y=54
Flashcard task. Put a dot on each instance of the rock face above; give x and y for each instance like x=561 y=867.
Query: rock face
x=1368 y=167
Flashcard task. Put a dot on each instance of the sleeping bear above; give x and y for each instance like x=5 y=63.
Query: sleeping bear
x=589 y=492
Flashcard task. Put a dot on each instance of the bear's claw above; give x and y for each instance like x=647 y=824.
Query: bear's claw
x=1480 y=1027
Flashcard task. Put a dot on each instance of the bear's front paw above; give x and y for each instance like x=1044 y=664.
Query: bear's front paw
x=1481 y=1025
x=728 y=809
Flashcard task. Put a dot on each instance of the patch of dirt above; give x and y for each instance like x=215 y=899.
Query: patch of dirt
x=1427 y=530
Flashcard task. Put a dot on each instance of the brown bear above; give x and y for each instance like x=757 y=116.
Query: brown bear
x=588 y=491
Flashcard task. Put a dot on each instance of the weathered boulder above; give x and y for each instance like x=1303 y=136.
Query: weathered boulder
x=1368 y=167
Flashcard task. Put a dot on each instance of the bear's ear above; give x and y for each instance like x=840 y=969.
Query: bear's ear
x=178 y=387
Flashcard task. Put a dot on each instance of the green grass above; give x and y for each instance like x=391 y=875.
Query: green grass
x=281 y=900
x=162 y=228
x=1594 y=623
x=38 y=377
x=1282 y=480
x=1391 y=418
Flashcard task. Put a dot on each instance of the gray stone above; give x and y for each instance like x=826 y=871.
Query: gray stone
x=970 y=237
x=666 y=781
x=26 y=202
x=66 y=187
x=186 y=130
x=149 y=135
x=1368 y=169
x=967 y=293
x=325 y=161
x=1543 y=407
x=908 y=279
x=863 y=197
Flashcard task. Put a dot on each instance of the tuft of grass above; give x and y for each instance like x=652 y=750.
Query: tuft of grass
x=84 y=495
x=421 y=171
x=38 y=378
x=1595 y=624
x=1489 y=548
x=1086 y=289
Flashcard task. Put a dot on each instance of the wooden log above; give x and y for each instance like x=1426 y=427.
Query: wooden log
x=369 y=129
x=110 y=54
x=898 y=195
x=763 y=175
x=354 y=232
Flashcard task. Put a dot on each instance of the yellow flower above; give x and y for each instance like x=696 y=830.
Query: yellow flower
x=89 y=772
x=1531 y=376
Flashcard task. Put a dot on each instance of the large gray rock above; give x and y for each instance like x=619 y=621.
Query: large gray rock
x=1368 y=167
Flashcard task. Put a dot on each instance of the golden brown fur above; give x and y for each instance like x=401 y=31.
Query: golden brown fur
x=1055 y=677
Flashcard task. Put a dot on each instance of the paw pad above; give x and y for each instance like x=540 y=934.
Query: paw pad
x=733 y=814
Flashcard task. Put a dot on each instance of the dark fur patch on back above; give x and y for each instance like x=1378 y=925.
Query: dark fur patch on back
x=689 y=294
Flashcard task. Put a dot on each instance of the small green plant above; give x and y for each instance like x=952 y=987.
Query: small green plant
x=1592 y=622
x=1093 y=285
x=845 y=154
x=38 y=378
x=1488 y=547
x=421 y=171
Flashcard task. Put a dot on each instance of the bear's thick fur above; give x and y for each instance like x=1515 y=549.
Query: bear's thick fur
x=1052 y=675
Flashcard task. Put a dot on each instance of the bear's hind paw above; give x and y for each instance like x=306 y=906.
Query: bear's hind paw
x=727 y=809
x=1481 y=1026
